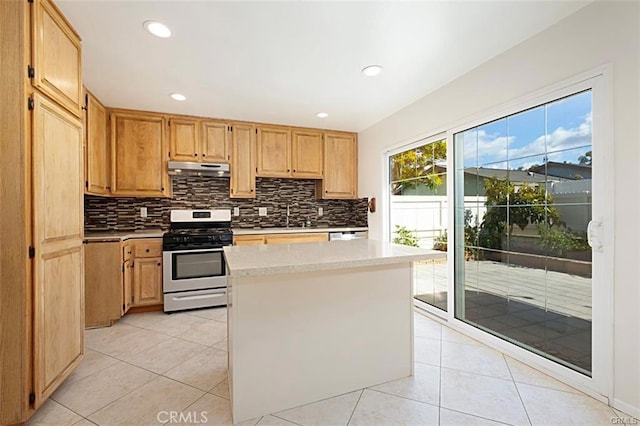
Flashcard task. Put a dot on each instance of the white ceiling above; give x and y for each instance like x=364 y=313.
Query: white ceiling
x=282 y=62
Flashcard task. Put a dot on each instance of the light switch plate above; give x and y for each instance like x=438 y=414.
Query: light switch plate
x=236 y=211
x=320 y=211
x=262 y=211
x=143 y=212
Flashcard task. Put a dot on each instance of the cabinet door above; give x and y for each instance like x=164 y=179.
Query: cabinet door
x=184 y=139
x=138 y=155
x=57 y=56
x=58 y=269
x=274 y=151
x=215 y=144
x=340 y=166
x=306 y=154
x=127 y=285
x=103 y=283
x=97 y=149
x=243 y=148
x=147 y=281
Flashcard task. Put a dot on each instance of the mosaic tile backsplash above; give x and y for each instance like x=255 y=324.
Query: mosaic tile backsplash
x=191 y=192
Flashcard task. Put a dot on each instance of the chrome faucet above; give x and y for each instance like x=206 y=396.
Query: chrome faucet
x=288 y=213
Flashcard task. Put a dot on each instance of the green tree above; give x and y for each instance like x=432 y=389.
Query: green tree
x=527 y=204
x=416 y=167
x=586 y=159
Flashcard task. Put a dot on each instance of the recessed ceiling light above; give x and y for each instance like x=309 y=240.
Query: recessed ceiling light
x=322 y=115
x=178 y=97
x=158 y=29
x=372 y=70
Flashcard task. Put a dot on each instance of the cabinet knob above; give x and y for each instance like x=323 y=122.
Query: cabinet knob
x=204 y=155
x=129 y=252
x=158 y=263
x=195 y=155
x=294 y=170
x=147 y=250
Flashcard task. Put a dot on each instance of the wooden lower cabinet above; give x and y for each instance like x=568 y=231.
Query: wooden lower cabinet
x=258 y=239
x=103 y=283
x=147 y=281
x=119 y=276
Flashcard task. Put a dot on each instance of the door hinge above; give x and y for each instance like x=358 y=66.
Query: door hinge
x=86 y=103
x=86 y=184
x=32 y=252
x=231 y=128
x=30 y=104
x=123 y=307
x=256 y=131
x=122 y=268
x=32 y=396
x=31 y=72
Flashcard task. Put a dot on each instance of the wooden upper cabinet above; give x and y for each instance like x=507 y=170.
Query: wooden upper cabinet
x=184 y=139
x=215 y=142
x=138 y=154
x=97 y=148
x=273 y=145
x=56 y=57
x=198 y=140
x=243 y=148
x=307 y=154
x=340 y=167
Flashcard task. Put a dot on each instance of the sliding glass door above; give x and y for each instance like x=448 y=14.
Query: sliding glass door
x=523 y=218
x=418 y=214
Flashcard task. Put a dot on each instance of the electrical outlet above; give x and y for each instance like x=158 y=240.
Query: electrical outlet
x=262 y=211
x=320 y=211
x=236 y=211
x=143 y=212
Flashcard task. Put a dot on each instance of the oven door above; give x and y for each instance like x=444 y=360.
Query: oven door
x=193 y=270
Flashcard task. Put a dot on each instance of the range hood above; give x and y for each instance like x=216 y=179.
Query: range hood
x=179 y=168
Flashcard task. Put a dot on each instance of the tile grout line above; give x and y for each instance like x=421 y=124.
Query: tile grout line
x=355 y=407
x=281 y=418
x=515 y=384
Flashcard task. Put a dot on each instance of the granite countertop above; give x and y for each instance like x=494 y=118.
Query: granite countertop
x=260 y=260
x=103 y=236
x=294 y=230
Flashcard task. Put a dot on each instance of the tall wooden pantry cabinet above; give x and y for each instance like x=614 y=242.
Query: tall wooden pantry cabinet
x=41 y=205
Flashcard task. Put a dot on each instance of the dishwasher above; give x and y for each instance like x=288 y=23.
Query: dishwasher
x=347 y=235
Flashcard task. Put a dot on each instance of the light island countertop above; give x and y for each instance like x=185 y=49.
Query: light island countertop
x=259 y=260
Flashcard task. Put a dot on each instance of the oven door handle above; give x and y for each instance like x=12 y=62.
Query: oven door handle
x=200 y=296
x=195 y=250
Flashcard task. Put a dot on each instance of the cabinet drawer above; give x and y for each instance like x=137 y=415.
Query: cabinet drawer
x=127 y=251
x=148 y=248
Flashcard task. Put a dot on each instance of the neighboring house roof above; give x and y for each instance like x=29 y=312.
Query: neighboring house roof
x=512 y=175
x=564 y=170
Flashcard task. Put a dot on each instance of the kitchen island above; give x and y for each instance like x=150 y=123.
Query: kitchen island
x=316 y=320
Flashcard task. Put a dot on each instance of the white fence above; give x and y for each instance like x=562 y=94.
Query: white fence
x=426 y=215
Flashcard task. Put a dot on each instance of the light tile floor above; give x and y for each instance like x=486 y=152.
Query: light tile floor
x=150 y=366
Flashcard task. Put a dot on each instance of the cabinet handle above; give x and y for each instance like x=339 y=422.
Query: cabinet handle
x=128 y=252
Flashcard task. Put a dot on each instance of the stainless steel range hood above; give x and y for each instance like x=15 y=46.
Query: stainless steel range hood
x=179 y=168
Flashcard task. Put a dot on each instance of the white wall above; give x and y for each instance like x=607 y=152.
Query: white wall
x=601 y=33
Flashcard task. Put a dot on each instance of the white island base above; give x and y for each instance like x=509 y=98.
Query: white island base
x=302 y=336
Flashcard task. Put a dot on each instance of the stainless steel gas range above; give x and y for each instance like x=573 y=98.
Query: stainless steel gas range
x=194 y=274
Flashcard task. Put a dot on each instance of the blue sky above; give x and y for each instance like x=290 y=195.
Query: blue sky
x=521 y=140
